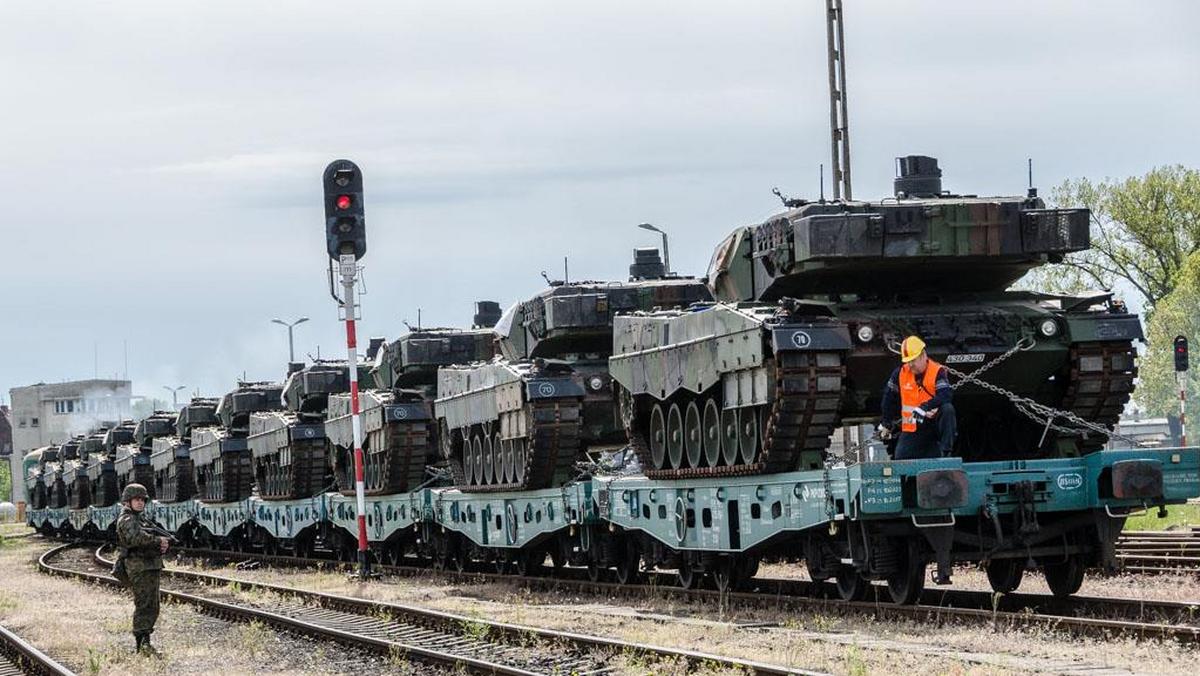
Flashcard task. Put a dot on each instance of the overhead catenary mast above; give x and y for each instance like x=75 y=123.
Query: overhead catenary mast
x=839 y=120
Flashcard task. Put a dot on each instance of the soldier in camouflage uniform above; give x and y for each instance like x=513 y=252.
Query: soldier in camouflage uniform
x=142 y=553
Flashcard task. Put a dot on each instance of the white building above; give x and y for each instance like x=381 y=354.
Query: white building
x=44 y=414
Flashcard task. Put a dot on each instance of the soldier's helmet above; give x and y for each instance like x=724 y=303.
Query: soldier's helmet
x=134 y=491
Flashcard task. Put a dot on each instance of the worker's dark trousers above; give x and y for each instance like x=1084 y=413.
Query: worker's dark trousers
x=933 y=438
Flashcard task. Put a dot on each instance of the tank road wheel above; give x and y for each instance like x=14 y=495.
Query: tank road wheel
x=711 y=431
x=658 y=437
x=675 y=436
x=748 y=432
x=729 y=436
x=1064 y=577
x=489 y=459
x=1004 y=575
x=503 y=460
x=468 y=465
x=906 y=584
x=850 y=585
x=519 y=459
x=693 y=435
x=686 y=576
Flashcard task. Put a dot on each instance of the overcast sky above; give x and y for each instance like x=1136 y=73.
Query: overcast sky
x=162 y=160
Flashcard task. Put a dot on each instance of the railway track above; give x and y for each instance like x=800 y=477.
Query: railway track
x=1160 y=551
x=1079 y=615
x=18 y=657
x=469 y=644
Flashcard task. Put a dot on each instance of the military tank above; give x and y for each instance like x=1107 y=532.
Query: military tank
x=290 y=451
x=170 y=454
x=220 y=454
x=130 y=465
x=47 y=490
x=101 y=469
x=74 y=473
x=35 y=483
x=399 y=439
x=522 y=420
x=813 y=304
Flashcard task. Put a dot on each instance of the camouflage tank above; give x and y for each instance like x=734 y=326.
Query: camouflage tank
x=170 y=455
x=101 y=469
x=220 y=454
x=75 y=478
x=128 y=462
x=45 y=475
x=133 y=463
x=35 y=483
x=814 y=303
x=290 y=451
x=522 y=420
x=397 y=406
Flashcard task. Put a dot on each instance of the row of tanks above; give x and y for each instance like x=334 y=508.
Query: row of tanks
x=749 y=370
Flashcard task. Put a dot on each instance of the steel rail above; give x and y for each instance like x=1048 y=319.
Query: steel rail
x=935 y=605
x=18 y=656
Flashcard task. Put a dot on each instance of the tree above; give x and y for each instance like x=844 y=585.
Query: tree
x=1143 y=230
x=1177 y=313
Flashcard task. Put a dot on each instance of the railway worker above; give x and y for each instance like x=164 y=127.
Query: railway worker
x=142 y=553
x=918 y=395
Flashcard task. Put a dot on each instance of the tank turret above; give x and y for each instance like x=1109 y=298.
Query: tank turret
x=922 y=241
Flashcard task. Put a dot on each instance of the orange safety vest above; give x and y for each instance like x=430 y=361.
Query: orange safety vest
x=914 y=394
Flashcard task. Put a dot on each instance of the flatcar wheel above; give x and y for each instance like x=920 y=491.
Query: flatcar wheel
x=458 y=557
x=687 y=577
x=501 y=563
x=712 y=433
x=1005 y=574
x=729 y=436
x=725 y=573
x=693 y=435
x=850 y=585
x=530 y=562
x=658 y=437
x=394 y=553
x=1064 y=577
x=594 y=571
x=748 y=429
x=906 y=584
x=675 y=436
x=627 y=568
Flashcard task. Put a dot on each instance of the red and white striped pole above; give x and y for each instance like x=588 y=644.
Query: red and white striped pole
x=349 y=271
x=1182 y=408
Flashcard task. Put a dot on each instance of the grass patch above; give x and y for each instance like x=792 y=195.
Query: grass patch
x=1177 y=515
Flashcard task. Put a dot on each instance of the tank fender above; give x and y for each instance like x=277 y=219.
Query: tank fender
x=1100 y=327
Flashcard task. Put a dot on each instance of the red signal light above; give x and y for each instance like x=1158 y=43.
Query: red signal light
x=343 y=202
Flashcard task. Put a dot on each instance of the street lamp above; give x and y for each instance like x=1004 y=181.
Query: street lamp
x=291 y=343
x=174 y=395
x=666 y=251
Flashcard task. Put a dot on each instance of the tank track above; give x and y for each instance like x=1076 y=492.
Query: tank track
x=802 y=416
x=1101 y=383
x=549 y=451
x=229 y=479
x=179 y=481
x=105 y=491
x=304 y=477
x=144 y=475
x=394 y=460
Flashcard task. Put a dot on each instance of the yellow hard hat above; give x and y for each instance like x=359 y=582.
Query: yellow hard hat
x=911 y=348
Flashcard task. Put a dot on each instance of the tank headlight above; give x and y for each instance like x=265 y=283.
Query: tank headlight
x=595 y=383
x=1048 y=327
x=866 y=333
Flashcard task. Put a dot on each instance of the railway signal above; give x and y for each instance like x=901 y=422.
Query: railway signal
x=346 y=241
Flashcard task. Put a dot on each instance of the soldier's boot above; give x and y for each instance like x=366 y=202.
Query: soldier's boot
x=140 y=640
x=145 y=648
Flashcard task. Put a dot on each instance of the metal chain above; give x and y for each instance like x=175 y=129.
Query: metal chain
x=1040 y=413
